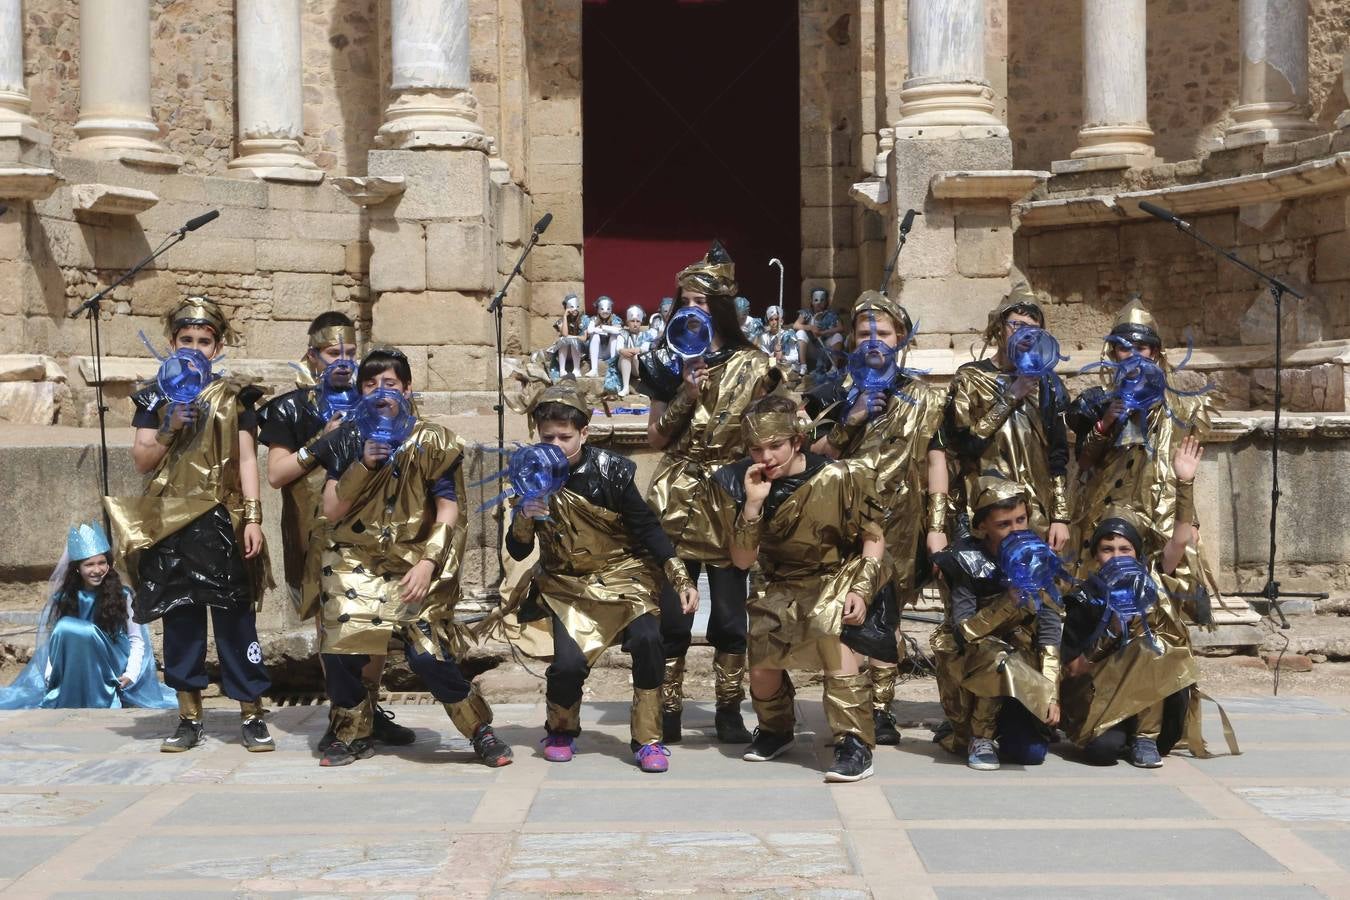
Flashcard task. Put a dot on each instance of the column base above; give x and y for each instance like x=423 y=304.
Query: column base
x=128 y=140
x=1114 y=140
x=1267 y=123
x=274 y=159
x=440 y=119
x=1104 y=163
x=945 y=103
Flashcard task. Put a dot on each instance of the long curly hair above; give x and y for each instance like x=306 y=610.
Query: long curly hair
x=110 y=604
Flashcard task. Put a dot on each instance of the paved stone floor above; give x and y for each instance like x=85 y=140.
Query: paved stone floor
x=89 y=808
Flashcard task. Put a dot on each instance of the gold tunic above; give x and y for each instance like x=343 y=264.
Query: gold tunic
x=810 y=552
x=1003 y=664
x=388 y=530
x=199 y=472
x=589 y=574
x=712 y=439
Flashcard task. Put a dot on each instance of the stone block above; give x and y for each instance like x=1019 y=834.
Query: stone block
x=441 y=184
x=951 y=305
x=275 y=339
x=546 y=298
x=555 y=178
x=461 y=256
x=301 y=296
x=984 y=247
x=30 y=402
x=1312 y=389
x=324 y=226
x=65 y=243
x=1149 y=240
x=398 y=256
x=460 y=368
x=300 y=255
x=210 y=255
x=309 y=197
x=154 y=293
x=1332 y=257
x=356 y=257
x=513 y=214
x=566 y=227
x=235 y=192
x=1074 y=247
x=827 y=226
x=556 y=262
x=827 y=262
x=555 y=150
x=1070 y=284
x=429 y=318
x=554 y=117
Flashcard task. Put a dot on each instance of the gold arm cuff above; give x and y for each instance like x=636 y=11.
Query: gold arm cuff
x=305 y=455
x=252 y=511
x=993 y=420
x=352 y=481
x=868 y=580
x=522 y=528
x=437 y=545
x=1050 y=667
x=1060 y=508
x=677 y=574
x=677 y=414
x=745 y=533
x=938 y=506
x=1186 y=502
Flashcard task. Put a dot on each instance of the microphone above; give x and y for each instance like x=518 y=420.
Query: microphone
x=908 y=221
x=542 y=225
x=199 y=221
x=4 y=208
x=1166 y=215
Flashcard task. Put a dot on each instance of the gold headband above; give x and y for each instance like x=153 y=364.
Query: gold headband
x=877 y=302
x=197 y=311
x=762 y=427
x=991 y=489
x=333 y=336
x=567 y=395
x=713 y=275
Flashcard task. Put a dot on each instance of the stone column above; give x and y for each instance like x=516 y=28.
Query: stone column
x=946 y=84
x=115 y=81
x=433 y=106
x=1115 y=83
x=14 y=102
x=271 y=92
x=1273 y=93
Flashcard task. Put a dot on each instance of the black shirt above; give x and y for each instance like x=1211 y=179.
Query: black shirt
x=343 y=447
x=290 y=421
x=149 y=402
x=976 y=581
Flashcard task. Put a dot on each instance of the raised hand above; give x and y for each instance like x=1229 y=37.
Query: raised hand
x=1186 y=458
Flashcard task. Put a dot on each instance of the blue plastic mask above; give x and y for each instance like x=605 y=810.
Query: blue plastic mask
x=384 y=416
x=338 y=392
x=537 y=471
x=1030 y=567
x=183 y=375
x=689 y=333
x=1033 y=352
x=1126 y=593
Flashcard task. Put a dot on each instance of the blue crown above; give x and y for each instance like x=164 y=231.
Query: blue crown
x=85 y=541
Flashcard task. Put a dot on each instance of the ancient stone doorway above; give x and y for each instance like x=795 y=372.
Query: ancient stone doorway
x=690 y=132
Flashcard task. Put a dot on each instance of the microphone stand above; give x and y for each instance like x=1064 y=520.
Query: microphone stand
x=901 y=236
x=497 y=311
x=1270 y=592
x=93 y=306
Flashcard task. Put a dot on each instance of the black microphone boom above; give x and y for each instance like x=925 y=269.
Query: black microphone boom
x=199 y=221
x=905 y=225
x=1165 y=214
x=908 y=221
x=542 y=225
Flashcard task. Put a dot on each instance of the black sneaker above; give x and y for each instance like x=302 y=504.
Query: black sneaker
x=852 y=760
x=765 y=745
x=257 y=739
x=490 y=748
x=340 y=754
x=670 y=726
x=329 y=738
x=187 y=735
x=730 y=726
x=883 y=722
x=387 y=731
x=943 y=729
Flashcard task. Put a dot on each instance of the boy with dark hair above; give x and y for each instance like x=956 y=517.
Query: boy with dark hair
x=193 y=541
x=992 y=647
x=290 y=426
x=599 y=547
x=393 y=565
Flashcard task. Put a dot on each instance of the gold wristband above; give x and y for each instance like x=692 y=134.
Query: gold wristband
x=994 y=419
x=1186 y=502
x=1050 y=663
x=677 y=574
x=745 y=533
x=252 y=511
x=1060 y=508
x=868 y=580
x=437 y=544
x=939 y=504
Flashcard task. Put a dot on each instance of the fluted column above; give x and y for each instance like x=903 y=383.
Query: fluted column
x=115 y=80
x=433 y=106
x=1273 y=92
x=1115 y=80
x=14 y=102
x=271 y=92
x=946 y=84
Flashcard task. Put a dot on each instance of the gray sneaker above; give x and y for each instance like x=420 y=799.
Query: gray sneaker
x=982 y=755
x=1144 y=754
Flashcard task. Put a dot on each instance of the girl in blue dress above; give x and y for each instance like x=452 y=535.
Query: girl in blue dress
x=90 y=652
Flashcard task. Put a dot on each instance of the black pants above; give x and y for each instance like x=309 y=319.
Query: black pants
x=568 y=671
x=728 y=589
x=242 y=674
x=1111 y=744
x=342 y=675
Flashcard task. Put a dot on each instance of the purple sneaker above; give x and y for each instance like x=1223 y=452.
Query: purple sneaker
x=559 y=748
x=653 y=758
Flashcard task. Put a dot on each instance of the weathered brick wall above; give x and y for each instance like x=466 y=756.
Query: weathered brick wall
x=1193 y=54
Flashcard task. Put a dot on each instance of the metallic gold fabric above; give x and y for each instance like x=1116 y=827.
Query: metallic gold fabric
x=645 y=719
x=868 y=580
x=251 y=709
x=677 y=413
x=470 y=714
x=559 y=719
x=672 y=685
x=252 y=514
x=729 y=678
x=745 y=533
x=1149 y=721
x=199 y=472
x=956 y=703
x=1185 y=508
x=883 y=685
x=939 y=505
x=776 y=714
x=385 y=534
x=352 y=724
x=713 y=438
x=333 y=336
x=1016 y=448
x=763 y=427
x=190 y=705
x=1060 y=508
x=677 y=574
x=194 y=311
x=877 y=302
x=304 y=535
x=848 y=707
x=714 y=274
x=1193 y=736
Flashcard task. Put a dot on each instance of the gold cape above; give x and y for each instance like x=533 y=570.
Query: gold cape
x=1004 y=664
x=382 y=536
x=895 y=446
x=199 y=472
x=713 y=438
x=810 y=554
x=1018 y=449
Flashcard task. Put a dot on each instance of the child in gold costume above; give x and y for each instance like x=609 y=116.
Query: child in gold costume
x=194 y=540
x=696 y=419
x=815 y=527
x=600 y=546
x=896 y=435
x=1000 y=654
x=393 y=569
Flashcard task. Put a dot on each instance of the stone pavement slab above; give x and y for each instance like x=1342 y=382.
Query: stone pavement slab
x=90 y=808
